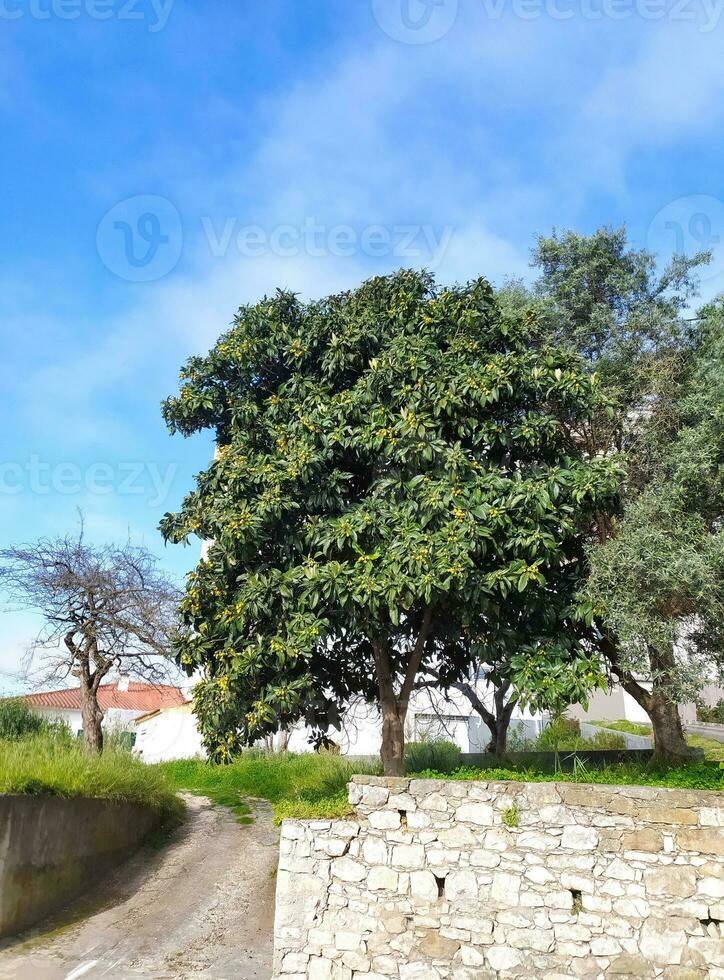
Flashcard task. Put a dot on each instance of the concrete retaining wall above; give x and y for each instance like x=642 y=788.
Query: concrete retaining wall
x=51 y=850
x=480 y=880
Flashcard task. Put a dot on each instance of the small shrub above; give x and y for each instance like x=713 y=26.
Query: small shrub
x=517 y=740
x=439 y=754
x=511 y=816
x=560 y=733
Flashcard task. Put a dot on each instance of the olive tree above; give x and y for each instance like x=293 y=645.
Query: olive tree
x=601 y=298
x=394 y=466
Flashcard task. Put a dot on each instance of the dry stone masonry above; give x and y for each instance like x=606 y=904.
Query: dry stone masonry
x=479 y=880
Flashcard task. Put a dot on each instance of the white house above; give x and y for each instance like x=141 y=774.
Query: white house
x=168 y=733
x=121 y=703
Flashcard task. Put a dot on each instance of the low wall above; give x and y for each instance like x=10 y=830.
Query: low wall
x=52 y=849
x=479 y=880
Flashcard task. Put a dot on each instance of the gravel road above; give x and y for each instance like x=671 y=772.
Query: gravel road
x=200 y=907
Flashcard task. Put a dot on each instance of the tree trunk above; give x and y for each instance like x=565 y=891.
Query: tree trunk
x=669 y=741
x=394 y=706
x=392 y=751
x=92 y=722
x=497 y=723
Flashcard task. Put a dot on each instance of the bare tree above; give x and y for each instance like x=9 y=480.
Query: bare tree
x=105 y=609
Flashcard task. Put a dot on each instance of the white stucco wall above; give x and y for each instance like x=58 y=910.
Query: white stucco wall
x=169 y=734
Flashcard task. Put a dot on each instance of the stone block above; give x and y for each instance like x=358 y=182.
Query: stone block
x=384 y=819
x=670 y=815
x=505 y=888
x=423 y=886
x=646 y=839
x=374 y=851
x=480 y=814
x=382 y=879
x=438 y=947
x=704 y=840
x=408 y=856
x=503 y=958
x=348 y=870
x=673 y=881
x=484 y=859
x=461 y=886
x=457 y=836
x=579 y=838
x=661 y=942
x=630 y=965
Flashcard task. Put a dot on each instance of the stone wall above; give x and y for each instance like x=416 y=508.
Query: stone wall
x=53 y=849
x=477 y=880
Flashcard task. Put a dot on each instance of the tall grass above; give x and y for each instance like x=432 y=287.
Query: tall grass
x=309 y=785
x=42 y=766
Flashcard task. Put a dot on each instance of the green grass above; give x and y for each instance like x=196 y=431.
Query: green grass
x=696 y=775
x=713 y=750
x=42 y=766
x=306 y=786
x=631 y=727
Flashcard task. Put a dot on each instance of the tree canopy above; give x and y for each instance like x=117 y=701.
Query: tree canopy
x=396 y=483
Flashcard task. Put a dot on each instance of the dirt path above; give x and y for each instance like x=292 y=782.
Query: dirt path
x=201 y=907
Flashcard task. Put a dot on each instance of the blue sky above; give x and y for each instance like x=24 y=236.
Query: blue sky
x=165 y=161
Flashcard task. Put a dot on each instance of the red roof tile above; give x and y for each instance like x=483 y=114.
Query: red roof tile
x=138 y=697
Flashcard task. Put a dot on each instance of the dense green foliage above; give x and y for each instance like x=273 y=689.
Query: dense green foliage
x=303 y=786
x=436 y=754
x=711 y=715
x=42 y=766
x=656 y=582
x=564 y=735
x=17 y=721
x=659 y=582
x=396 y=484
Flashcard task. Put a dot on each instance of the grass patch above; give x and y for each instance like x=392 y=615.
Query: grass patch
x=713 y=750
x=306 y=786
x=695 y=775
x=40 y=766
